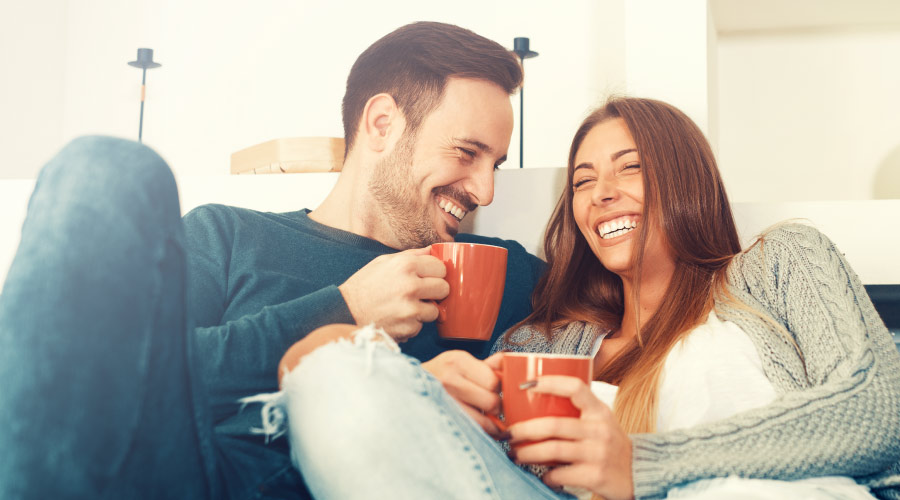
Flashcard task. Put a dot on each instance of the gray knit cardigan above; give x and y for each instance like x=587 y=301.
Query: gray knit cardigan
x=838 y=410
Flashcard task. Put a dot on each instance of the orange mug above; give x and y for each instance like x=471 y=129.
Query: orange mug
x=518 y=369
x=476 y=274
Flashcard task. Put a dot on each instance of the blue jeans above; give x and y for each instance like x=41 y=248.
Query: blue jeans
x=368 y=422
x=98 y=395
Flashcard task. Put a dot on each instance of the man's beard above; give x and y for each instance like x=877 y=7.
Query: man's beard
x=394 y=190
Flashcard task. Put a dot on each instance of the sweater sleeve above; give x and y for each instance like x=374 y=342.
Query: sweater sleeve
x=240 y=356
x=839 y=412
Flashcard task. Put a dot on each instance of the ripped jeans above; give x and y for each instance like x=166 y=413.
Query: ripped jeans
x=365 y=421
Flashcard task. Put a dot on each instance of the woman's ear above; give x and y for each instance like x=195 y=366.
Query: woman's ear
x=382 y=122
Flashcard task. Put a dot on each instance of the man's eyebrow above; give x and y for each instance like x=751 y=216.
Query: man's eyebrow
x=476 y=144
x=619 y=154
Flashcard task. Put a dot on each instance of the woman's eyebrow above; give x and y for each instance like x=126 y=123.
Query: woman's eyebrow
x=586 y=164
x=615 y=156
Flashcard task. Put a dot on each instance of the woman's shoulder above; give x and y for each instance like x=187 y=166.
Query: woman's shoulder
x=575 y=337
x=787 y=241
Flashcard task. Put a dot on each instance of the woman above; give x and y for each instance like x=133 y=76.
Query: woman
x=793 y=372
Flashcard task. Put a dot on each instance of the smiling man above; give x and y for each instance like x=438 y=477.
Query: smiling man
x=128 y=334
x=427 y=119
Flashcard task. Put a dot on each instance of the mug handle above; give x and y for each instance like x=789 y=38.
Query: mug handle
x=442 y=311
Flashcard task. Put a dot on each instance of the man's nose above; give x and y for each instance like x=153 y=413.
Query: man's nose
x=480 y=186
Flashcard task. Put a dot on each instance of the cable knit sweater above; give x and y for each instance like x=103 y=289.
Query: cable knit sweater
x=838 y=410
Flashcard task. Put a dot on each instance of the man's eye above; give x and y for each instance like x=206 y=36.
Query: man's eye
x=468 y=153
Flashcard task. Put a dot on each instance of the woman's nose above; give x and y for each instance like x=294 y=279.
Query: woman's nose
x=605 y=190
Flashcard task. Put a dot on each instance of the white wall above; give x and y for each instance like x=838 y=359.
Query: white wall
x=236 y=73
x=32 y=71
x=667 y=52
x=810 y=115
x=793 y=114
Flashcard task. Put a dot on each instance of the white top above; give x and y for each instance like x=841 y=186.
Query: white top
x=713 y=373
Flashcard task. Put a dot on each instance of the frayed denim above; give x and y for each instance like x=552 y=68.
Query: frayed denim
x=365 y=421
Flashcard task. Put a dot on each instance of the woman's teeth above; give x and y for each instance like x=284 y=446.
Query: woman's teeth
x=452 y=209
x=616 y=227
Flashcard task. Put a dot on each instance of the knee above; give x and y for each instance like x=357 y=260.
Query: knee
x=110 y=176
x=349 y=389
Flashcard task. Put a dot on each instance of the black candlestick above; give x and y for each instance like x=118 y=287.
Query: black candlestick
x=520 y=47
x=145 y=62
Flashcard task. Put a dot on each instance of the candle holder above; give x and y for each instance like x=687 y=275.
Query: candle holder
x=145 y=62
x=521 y=48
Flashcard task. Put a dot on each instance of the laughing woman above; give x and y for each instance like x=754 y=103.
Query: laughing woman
x=719 y=373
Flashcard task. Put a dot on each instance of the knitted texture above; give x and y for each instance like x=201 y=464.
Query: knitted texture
x=838 y=410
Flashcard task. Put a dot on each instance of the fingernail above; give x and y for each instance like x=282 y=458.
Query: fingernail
x=527 y=385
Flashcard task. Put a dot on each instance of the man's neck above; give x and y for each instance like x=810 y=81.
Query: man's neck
x=349 y=206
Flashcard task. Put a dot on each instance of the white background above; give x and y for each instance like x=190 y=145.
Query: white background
x=801 y=98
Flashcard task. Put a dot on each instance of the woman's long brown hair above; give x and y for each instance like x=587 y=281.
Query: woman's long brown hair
x=683 y=196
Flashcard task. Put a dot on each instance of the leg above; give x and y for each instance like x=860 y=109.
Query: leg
x=365 y=422
x=98 y=398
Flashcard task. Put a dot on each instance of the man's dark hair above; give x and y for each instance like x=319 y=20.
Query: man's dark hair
x=412 y=65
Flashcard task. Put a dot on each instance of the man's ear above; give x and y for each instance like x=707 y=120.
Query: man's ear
x=382 y=122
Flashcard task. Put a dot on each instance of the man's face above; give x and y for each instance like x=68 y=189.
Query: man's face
x=430 y=182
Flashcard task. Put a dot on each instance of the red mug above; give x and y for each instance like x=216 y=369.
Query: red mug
x=519 y=403
x=476 y=274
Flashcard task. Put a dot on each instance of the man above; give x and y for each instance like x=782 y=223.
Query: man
x=108 y=394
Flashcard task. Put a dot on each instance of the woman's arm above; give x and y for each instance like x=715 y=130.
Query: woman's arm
x=840 y=409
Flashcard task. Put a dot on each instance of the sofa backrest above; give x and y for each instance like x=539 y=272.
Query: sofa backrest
x=866 y=231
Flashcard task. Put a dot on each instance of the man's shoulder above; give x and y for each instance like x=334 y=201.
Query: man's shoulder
x=229 y=218
x=517 y=252
x=219 y=212
x=511 y=245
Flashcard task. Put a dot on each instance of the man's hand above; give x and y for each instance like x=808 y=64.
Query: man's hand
x=396 y=292
x=472 y=383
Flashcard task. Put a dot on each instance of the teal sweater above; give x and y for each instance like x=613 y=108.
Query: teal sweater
x=838 y=412
x=258 y=282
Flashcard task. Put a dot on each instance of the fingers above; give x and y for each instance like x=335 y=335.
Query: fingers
x=431 y=289
x=538 y=429
x=550 y=451
x=465 y=390
x=493 y=361
x=610 y=476
x=573 y=388
x=467 y=379
x=485 y=422
x=429 y=266
x=581 y=475
x=470 y=382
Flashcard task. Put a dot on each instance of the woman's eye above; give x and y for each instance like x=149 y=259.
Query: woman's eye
x=633 y=165
x=581 y=182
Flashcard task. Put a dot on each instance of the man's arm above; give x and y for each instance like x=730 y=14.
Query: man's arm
x=239 y=357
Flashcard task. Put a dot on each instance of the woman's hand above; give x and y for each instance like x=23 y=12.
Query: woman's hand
x=472 y=383
x=594 y=450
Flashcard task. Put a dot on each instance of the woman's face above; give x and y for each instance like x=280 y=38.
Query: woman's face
x=608 y=198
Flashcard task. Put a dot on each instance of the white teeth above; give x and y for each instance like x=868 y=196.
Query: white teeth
x=615 y=228
x=452 y=209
